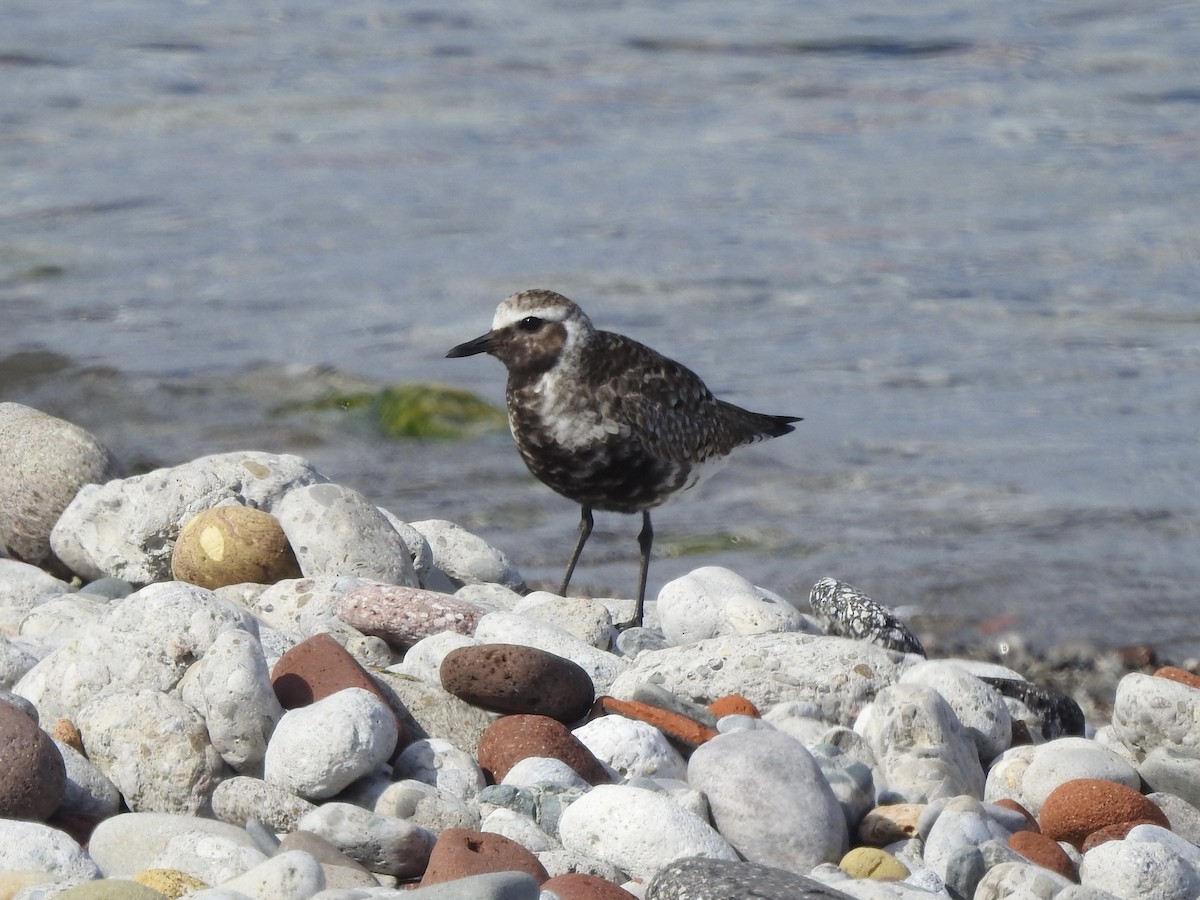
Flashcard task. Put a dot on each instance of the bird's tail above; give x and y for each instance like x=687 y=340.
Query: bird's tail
x=757 y=426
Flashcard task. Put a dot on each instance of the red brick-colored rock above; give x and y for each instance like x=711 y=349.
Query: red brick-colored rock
x=32 y=774
x=672 y=724
x=404 y=615
x=1043 y=850
x=1078 y=808
x=460 y=853
x=1183 y=676
x=1114 y=832
x=1006 y=803
x=319 y=666
x=513 y=679
x=511 y=739
x=578 y=886
x=733 y=705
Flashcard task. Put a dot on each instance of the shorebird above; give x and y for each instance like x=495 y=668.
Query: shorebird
x=606 y=421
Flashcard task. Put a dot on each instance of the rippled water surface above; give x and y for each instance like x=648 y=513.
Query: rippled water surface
x=959 y=238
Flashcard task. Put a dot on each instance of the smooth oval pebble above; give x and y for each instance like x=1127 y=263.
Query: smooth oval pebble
x=632 y=748
x=404 y=615
x=874 y=863
x=515 y=679
x=231 y=545
x=1077 y=808
x=459 y=853
x=513 y=738
x=1043 y=850
x=33 y=777
x=384 y=844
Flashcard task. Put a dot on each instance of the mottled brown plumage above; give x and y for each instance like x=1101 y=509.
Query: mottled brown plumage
x=604 y=420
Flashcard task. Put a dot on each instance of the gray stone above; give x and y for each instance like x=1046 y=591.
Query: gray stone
x=493 y=886
x=1135 y=870
x=441 y=764
x=715 y=879
x=300 y=607
x=1175 y=770
x=16 y=656
x=384 y=844
x=1024 y=880
x=467 y=558
x=126 y=844
x=631 y=748
x=1066 y=759
x=1183 y=816
x=979 y=708
x=587 y=619
x=239 y=799
x=31 y=846
x=88 y=791
x=712 y=601
x=25 y=586
x=430 y=711
x=292 y=875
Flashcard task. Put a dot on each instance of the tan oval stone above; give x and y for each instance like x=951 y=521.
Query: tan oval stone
x=873 y=863
x=233 y=545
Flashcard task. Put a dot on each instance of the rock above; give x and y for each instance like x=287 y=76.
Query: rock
x=154 y=748
x=1174 y=673
x=514 y=679
x=890 y=823
x=631 y=748
x=240 y=799
x=542 y=772
x=874 y=863
x=87 y=792
x=979 y=708
x=404 y=615
x=467 y=558
x=850 y=779
x=1016 y=879
x=289 y=876
x=1067 y=759
x=509 y=628
x=838 y=676
x=25 y=588
x=110 y=889
x=319 y=749
x=1075 y=809
x=232 y=545
x=459 y=853
x=16 y=656
x=844 y=610
x=962 y=823
x=519 y=828
x=44 y=461
x=33 y=777
x=1172 y=769
x=301 y=607
x=169 y=882
x=424 y=659
x=341 y=872
x=427 y=806
x=733 y=705
x=127 y=527
x=1184 y=817
x=637 y=830
x=712 y=601
x=587 y=619
x=1044 y=851
x=1133 y=870
x=578 y=886
x=336 y=531
x=513 y=738
x=676 y=725
x=431 y=712
x=231 y=688
x=126 y=844
x=383 y=844
x=36 y=847
x=922 y=749
x=769 y=799
x=490 y=886
x=717 y=879
x=441 y=764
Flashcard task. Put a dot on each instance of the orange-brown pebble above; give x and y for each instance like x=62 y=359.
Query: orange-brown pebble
x=890 y=823
x=672 y=724
x=1040 y=849
x=578 y=886
x=64 y=730
x=1114 y=832
x=733 y=705
x=460 y=853
x=1077 y=808
x=1183 y=676
x=1007 y=803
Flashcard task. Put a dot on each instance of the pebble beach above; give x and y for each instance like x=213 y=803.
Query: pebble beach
x=236 y=678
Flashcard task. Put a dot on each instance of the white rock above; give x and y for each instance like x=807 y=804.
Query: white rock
x=88 y=791
x=418 y=547
x=543 y=772
x=587 y=619
x=491 y=596
x=466 y=557
x=837 y=676
x=34 y=847
x=637 y=830
x=128 y=843
x=127 y=527
x=154 y=748
x=213 y=858
x=979 y=707
x=242 y=798
x=230 y=687
x=1151 y=712
x=16 y=656
x=1007 y=774
x=712 y=601
x=1065 y=759
x=25 y=587
x=1156 y=834
x=441 y=764
x=424 y=658
x=1137 y=870
x=293 y=875
x=1174 y=770
x=382 y=844
x=335 y=530
x=922 y=749
x=509 y=628
x=300 y=607
x=319 y=749
x=632 y=748
x=963 y=822
x=519 y=828
x=769 y=799
x=61 y=619
x=1020 y=881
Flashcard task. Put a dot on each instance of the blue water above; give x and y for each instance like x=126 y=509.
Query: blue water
x=959 y=238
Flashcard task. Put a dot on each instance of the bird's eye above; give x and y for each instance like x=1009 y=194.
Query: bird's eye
x=530 y=324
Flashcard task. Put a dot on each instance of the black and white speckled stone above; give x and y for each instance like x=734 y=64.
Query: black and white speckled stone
x=717 y=879
x=846 y=611
x=1060 y=715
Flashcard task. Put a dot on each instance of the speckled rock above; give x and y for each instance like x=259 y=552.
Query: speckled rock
x=403 y=615
x=36 y=847
x=632 y=748
x=587 y=619
x=319 y=749
x=383 y=844
x=979 y=708
x=33 y=777
x=44 y=461
x=127 y=527
x=716 y=879
x=769 y=799
x=171 y=883
x=459 y=853
x=1135 y=870
x=513 y=738
x=712 y=601
x=241 y=798
x=441 y=764
x=578 y=886
x=1075 y=809
x=509 y=628
x=1019 y=880
x=467 y=558
x=514 y=679
x=843 y=609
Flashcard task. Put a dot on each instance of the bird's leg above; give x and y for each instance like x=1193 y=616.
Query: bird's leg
x=645 y=539
x=585 y=529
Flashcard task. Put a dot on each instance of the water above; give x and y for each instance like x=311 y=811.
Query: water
x=959 y=238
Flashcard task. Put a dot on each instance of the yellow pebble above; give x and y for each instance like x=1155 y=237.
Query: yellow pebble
x=169 y=882
x=873 y=863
